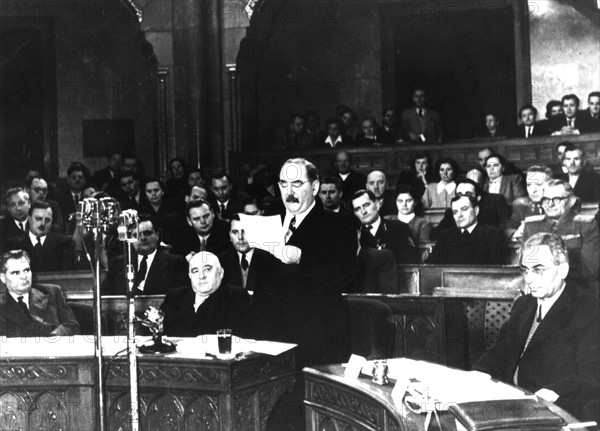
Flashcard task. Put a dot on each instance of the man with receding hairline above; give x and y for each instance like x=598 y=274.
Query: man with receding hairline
x=377 y=184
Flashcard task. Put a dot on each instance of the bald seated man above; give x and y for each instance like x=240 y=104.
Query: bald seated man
x=377 y=184
x=205 y=305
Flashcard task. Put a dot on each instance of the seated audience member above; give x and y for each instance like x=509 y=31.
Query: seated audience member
x=176 y=221
x=408 y=204
x=77 y=179
x=335 y=138
x=227 y=201
x=493 y=209
x=107 y=179
x=349 y=122
x=263 y=187
x=156 y=271
x=204 y=232
x=389 y=133
x=530 y=205
x=549 y=345
x=440 y=194
x=420 y=173
x=569 y=122
x=313 y=126
x=132 y=164
x=509 y=167
x=559 y=168
x=37 y=189
x=205 y=306
x=375 y=271
x=579 y=232
x=253 y=207
x=293 y=136
x=246 y=267
x=553 y=108
x=195 y=177
x=421 y=124
x=586 y=184
x=509 y=186
x=178 y=178
x=47 y=251
x=470 y=242
x=131 y=196
x=15 y=222
x=380 y=234
x=352 y=181
x=529 y=127
x=331 y=195
x=590 y=118
x=28 y=310
x=493 y=127
x=377 y=184
x=367 y=137
x=156 y=203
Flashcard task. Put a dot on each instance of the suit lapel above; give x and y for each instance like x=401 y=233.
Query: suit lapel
x=556 y=319
x=10 y=310
x=38 y=303
x=155 y=274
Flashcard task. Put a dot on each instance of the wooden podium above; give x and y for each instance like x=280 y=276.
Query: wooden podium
x=54 y=389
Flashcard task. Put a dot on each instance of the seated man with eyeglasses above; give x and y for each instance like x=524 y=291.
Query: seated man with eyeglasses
x=580 y=232
x=549 y=345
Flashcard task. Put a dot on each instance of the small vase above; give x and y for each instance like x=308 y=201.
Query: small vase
x=158 y=346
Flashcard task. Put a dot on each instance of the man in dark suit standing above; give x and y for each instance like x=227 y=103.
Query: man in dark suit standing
x=227 y=201
x=586 y=184
x=48 y=251
x=470 y=242
x=380 y=234
x=321 y=250
x=204 y=232
x=156 y=270
x=77 y=178
x=421 y=124
x=205 y=306
x=27 y=310
x=15 y=222
x=549 y=345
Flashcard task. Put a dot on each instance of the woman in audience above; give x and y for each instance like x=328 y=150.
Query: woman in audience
x=509 y=186
x=420 y=174
x=178 y=180
x=409 y=206
x=439 y=195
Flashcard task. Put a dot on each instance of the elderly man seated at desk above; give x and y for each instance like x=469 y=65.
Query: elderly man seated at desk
x=205 y=306
x=28 y=310
x=550 y=343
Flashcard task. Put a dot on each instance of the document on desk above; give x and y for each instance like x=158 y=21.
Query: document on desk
x=265 y=232
x=448 y=386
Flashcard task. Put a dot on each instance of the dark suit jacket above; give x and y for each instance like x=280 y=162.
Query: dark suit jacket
x=388 y=207
x=392 y=235
x=67 y=205
x=588 y=123
x=260 y=272
x=539 y=129
x=376 y=271
x=51 y=315
x=8 y=230
x=511 y=187
x=106 y=182
x=354 y=182
x=224 y=308
x=411 y=125
x=485 y=246
x=559 y=121
x=234 y=206
x=166 y=272
x=587 y=187
x=186 y=240
x=563 y=354
x=56 y=254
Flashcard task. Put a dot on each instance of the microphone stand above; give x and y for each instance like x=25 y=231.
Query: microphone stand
x=128 y=226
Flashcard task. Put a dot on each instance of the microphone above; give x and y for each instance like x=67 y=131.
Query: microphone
x=128 y=226
x=109 y=210
x=87 y=213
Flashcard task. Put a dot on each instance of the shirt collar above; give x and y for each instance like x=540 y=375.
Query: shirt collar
x=449 y=187
x=16 y=297
x=547 y=303
x=34 y=238
x=497 y=180
x=406 y=218
x=199 y=300
x=344 y=176
x=249 y=254
x=375 y=225
x=331 y=143
x=299 y=217
x=471 y=228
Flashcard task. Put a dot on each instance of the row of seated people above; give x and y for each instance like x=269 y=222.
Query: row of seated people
x=422 y=124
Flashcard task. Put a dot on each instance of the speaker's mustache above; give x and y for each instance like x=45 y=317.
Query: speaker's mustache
x=292 y=198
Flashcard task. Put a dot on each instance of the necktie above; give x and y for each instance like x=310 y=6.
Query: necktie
x=245 y=263
x=528 y=133
x=421 y=112
x=222 y=209
x=23 y=306
x=76 y=199
x=141 y=272
x=570 y=122
x=370 y=228
x=202 y=243
x=291 y=229
x=37 y=249
x=534 y=326
x=22 y=225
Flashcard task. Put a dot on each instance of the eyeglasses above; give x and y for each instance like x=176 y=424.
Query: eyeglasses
x=537 y=270
x=295 y=184
x=555 y=200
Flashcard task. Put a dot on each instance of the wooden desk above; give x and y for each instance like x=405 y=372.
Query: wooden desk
x=176 y=392
x=335 y=402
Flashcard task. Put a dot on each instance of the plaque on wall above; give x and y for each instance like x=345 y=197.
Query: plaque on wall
x=101 y=137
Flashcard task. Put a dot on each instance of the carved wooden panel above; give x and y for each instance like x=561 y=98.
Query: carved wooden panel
x=202 y=414
x=165 y=413
x=48 y=412
x=347 y=403
x=43 y=373
x=13 y=412
x=420 y=338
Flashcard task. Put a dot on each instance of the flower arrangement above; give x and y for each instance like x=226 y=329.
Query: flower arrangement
x=153 y=320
